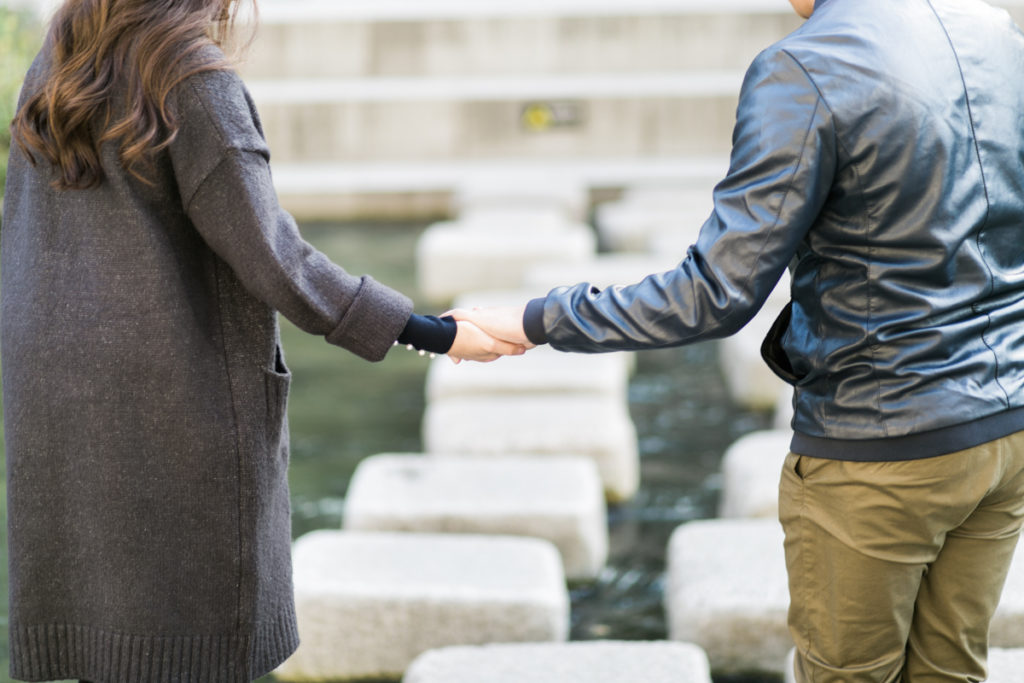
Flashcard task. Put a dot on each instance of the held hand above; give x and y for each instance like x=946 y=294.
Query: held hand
x=501 y=322
x=472 y=343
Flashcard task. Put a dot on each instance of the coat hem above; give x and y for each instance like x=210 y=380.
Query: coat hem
x=45 y=652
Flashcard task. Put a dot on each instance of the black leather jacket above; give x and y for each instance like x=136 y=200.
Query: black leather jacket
x=878 y=152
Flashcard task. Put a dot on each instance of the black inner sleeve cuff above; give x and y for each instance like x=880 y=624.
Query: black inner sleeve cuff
x=533 y=322
x=430 y=333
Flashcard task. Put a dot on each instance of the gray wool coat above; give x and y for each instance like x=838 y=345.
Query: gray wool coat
x=144 y=396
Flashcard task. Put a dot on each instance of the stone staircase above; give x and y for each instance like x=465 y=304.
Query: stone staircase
x=380 y=108
x=383 y=108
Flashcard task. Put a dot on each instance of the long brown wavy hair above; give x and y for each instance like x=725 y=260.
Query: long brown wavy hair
x=138 y=49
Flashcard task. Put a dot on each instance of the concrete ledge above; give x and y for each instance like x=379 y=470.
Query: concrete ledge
x=580 y=662
x=556 y=499
x=596 y=427
x=487 y=39
x=406 y=188
x=272 y=11
x=368 y=604
x=306 y=91
x=445 y=176
x=440 y=130
x=750 y=475
x=727 y=591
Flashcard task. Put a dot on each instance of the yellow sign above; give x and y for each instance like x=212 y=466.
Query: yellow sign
x=538 y=117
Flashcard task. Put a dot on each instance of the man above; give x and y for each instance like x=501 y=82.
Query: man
x=878 y=152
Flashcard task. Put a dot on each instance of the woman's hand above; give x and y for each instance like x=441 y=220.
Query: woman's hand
x=472 y=343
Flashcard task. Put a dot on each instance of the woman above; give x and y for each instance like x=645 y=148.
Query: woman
x=144 y=256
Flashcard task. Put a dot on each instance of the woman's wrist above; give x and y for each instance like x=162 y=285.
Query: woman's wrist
x=429 y=334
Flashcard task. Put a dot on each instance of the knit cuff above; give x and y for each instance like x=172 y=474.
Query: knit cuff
x=430 y=333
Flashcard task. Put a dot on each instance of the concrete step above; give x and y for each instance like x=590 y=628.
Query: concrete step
x=541 y=117
x=542 y=371
x=456 y=257
x=557 y=499
x=750 y=475
x=726 y=591
x=431 y=38
x=593 y=426
x=369 y=603
x=579 y=662
x=425 y=188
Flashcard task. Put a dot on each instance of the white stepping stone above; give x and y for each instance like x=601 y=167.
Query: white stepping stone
x=593 y=426
x=578 y=662
x=452 y=258
x=516 y=296
x=557 y=499
x=370 y=603
x=750 y=475
x=541 y=371
x=645 y=213
x=521 y=194
x=727 y=592
x=750 y=381
x=1004 y=666
x=603 y=271
x=783 y=418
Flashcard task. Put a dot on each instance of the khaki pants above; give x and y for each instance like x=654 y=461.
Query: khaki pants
x=896 y=568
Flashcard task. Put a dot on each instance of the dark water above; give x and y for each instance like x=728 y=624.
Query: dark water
x=343 y=409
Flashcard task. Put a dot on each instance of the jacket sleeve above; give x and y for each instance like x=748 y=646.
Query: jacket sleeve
x=780 y=173
x=224 y=176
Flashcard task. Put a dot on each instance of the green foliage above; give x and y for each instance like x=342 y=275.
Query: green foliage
x=20 y=37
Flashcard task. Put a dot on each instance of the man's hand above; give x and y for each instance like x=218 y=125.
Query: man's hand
x=472 y=343
x=501 y=322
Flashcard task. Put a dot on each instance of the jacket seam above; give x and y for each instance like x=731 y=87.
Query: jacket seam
x=841 y=146
x=789 y=183
x=988 y=200
x=869 y=214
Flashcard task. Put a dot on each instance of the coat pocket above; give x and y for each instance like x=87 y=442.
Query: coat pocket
x=276 y=384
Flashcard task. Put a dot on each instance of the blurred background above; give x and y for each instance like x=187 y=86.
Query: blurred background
x=596 y=128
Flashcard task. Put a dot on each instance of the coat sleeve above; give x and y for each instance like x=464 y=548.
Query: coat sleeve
x=222 y=165
x=781 y=169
